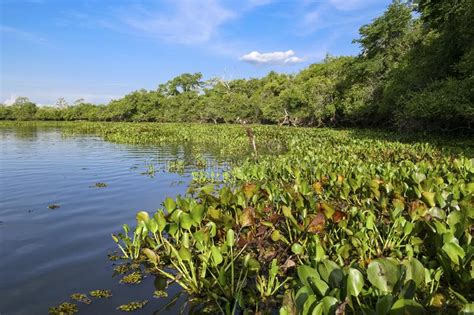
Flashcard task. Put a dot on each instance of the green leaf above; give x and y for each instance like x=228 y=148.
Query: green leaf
x=454 y=251
x=415 y=271
x=216 y=255
x=152 y=226
x=197 y=213
x=184 y=254
x=275 y=235
x=406 y=307
x=331 y=273
x=309 y=305
x=230 y=239
x=355 y=282
x=408 y=291
x=384 y=304
x=328 y=304
x=310 y=278
x=383 y=274
x=186 y=221
x=208 y=189
x=297 y=249
x=142 y=216
x=428 y=198
x=467 y=309
x=301 y=296
x=160 y=220
x=169 y=204
x=328 y=210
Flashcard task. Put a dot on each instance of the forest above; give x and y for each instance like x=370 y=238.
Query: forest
x=415 y=72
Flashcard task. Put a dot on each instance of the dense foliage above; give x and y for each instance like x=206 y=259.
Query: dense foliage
x=415 y=71
x=345 y=222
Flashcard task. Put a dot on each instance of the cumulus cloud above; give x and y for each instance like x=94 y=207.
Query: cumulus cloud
x=276 y=58
x=11 y=100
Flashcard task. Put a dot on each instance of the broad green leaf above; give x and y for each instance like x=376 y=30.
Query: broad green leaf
x=160 y=220
x=429 y=198
x=310 y=277
x=406 y=307
x=208 y=189
x=331 y=273
x=301 y=296
x=184 y=254
x=328 y=210
x=186 y=221
x=454 y=251
x=355 y=282
x=142 y=216
x=415 y=271
x=197 y=213
x=384 y=304
x=216 y=255
x=309 y=305
x=152 y=226
x=383 y=274
x=467 y=309
x=169 y=204
x=297 y=249
x=328 y=304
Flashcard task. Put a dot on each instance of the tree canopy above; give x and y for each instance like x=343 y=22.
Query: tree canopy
x=415 y=71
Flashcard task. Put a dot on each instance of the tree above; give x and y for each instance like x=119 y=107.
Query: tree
x=61 y=103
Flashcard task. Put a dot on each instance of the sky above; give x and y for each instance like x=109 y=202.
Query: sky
x=100 y=50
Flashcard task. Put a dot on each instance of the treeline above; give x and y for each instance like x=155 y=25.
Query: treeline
x=415 y=71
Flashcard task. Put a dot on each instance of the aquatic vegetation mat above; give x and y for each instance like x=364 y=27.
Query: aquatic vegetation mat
x=334 y=224
x=100 y=294
x=80 y=297
x=307 y=221
x=64 y=309
x=133 y=306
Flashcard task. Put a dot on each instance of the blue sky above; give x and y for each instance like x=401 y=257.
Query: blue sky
x=103 y=49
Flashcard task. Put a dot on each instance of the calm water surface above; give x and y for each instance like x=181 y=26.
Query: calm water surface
x=45 y=254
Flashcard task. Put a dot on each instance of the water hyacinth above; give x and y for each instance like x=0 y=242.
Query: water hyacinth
x=328 y=226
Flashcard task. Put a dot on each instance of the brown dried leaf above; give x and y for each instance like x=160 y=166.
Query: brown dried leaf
x=317 y=223
x=248 y=217
x=338 y=216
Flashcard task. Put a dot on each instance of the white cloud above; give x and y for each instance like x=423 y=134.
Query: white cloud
x=10 y=100
x=191 y=22
x=276 y=58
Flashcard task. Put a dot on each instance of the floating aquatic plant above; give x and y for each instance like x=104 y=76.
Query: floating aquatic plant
x=160 y=294
x=80 y=297
x=101 y=293
x=122 y=268
x=65 y=308
x=333 y=223
x=133 y=278
x=133 y=306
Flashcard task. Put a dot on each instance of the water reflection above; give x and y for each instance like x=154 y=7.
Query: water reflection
x=48 y=254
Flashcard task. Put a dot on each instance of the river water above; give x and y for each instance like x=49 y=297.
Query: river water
x=47 y=254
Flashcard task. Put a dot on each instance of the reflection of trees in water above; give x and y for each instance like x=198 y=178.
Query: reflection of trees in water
x=29 y=132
